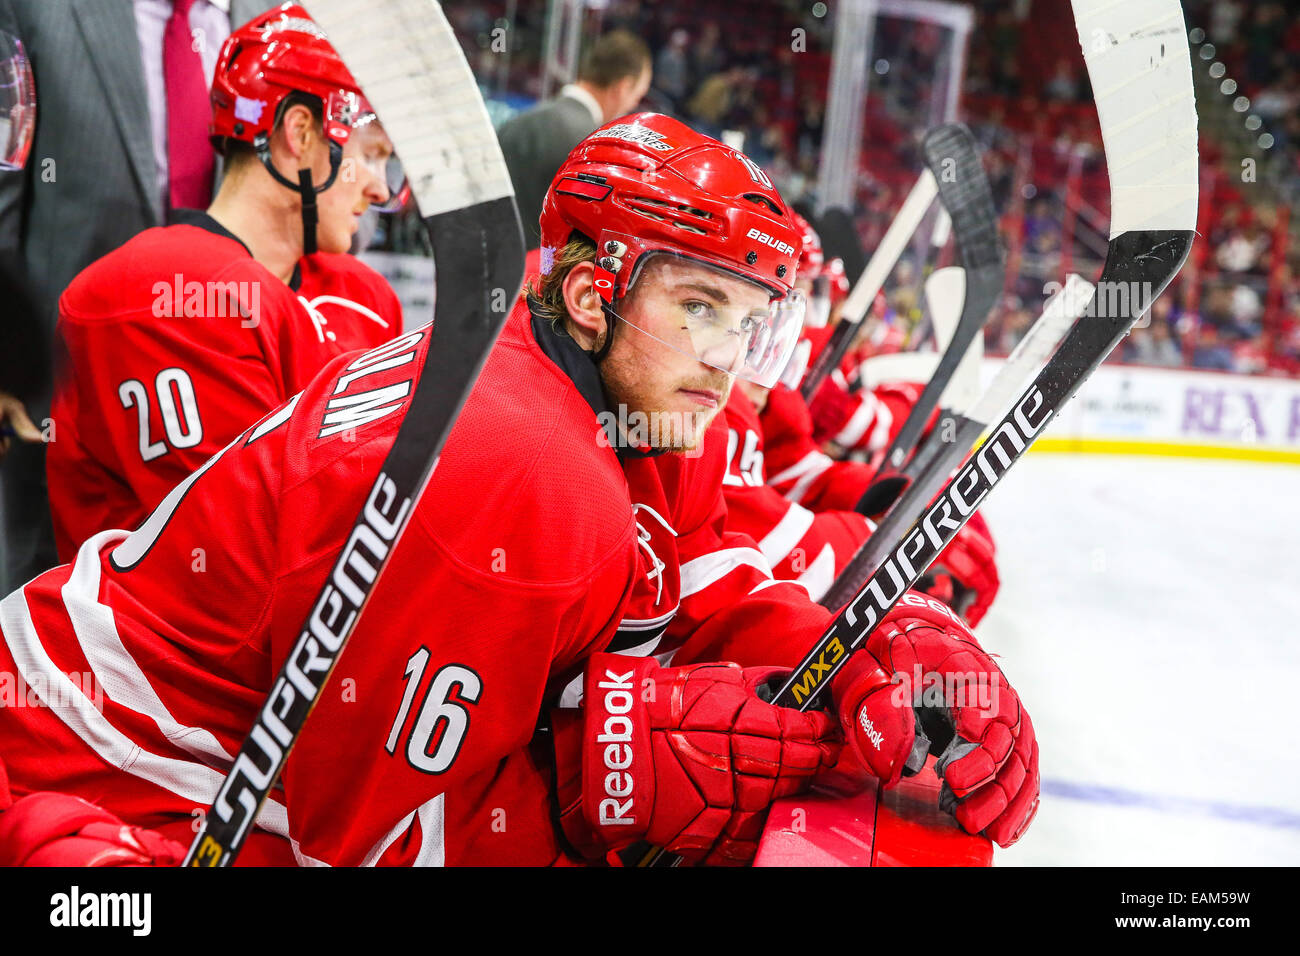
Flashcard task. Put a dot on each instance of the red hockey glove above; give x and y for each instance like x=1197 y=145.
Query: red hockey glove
x=54 y=829
x=923 y=685
x=965 y=575
x=831 y=407
x=686 y=758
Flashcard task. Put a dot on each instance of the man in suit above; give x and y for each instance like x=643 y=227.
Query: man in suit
x=612 y=79
x=121 y=140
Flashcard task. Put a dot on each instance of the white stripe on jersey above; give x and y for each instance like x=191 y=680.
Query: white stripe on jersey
x=190 y=780
x=114 y=668
x=807 y=469
x=647 y=624
x=820 y=574
x=789 y=531
x=856 y=426
x=699 y=573
x=880 y=434
x=432 y=838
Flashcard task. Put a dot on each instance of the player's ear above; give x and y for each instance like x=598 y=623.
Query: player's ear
x=300 y=132
x=586 y=318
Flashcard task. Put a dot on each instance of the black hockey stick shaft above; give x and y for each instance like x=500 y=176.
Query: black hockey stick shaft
x=952 y=430
x=1143 y=262
x=964 y=191
x=902 y=512
x=482 y=246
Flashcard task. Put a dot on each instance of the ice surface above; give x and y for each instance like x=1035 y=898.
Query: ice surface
x=1150 y=618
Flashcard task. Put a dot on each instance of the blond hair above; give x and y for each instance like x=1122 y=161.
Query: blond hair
x=548 y=289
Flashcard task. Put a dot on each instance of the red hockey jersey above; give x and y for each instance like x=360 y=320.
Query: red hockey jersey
x=533 y=545
x=795 y=464
x=172 y=345
x=801 y=545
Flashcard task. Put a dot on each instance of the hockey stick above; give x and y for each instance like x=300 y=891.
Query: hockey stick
x=407 y=59
x=960 y=394
x=870 y=282
x=1140 y=68
x=939 y=237
x=964 y=191
x=944 y=291
x=1060 y=313
x=966 y=414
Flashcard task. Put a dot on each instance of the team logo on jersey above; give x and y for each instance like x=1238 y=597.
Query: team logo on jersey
x=641 y=135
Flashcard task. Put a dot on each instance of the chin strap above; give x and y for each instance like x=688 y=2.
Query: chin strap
x=304 y=187
x=611 y=322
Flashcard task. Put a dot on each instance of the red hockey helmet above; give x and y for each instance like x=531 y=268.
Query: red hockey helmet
x=278 y=53
x=812 y=277
x=648 y=186
x=812 y=258
x=838 y=279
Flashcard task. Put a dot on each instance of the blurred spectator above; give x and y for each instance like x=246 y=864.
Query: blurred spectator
x=121 y=142
x=1211 y=352
x=612 y=79
x=1155 y=344
x=673 y=67
x=708 y=56
x=1224 y=17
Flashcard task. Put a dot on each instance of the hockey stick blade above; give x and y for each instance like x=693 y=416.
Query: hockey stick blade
x=870 y=282
x=409 y=64
x=1140 y=67
x=964 y=191
x=1044 y=336
x=968 y=415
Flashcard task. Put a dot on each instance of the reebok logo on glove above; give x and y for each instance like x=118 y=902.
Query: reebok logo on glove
x=872 y=733
x=617 y=735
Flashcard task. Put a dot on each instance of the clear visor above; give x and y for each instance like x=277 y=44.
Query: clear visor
x=714 y=315
x=792 y=375
x=17 y=103
x=818 y=291
x=356 y=113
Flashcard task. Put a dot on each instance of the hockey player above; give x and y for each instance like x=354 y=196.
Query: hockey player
x=554 y=529
x=804 y=516
x=174 y=343
x=722 y=601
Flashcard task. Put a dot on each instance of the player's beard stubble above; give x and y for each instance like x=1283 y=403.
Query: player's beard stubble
x=648 y=380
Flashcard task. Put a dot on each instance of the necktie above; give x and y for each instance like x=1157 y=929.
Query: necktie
x=190 y=159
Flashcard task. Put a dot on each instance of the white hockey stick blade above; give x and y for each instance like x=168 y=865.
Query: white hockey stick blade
x=945 y=293
x=897 y=367
x=942 y=229
x=411 y=68
x=964 y=386
x=1032 y=351
x=1141 y=71
x=891 y=247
